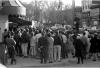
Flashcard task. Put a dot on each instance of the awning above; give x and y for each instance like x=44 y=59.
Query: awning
x=19 y=21
x=13 y=7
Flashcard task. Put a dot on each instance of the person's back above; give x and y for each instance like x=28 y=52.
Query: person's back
x=50 y=40
x=43 y=42
x=64 y=38
x=84 y=40
x=24 y=37
x=17 y=38
x=57 y=40
x=38 y=36
x=10 y=42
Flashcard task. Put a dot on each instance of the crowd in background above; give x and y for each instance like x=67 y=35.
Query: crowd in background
x=51 y=45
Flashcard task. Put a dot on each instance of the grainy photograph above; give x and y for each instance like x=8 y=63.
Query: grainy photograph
x=49 y=33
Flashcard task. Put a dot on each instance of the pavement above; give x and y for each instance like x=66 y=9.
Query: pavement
x=32 y=62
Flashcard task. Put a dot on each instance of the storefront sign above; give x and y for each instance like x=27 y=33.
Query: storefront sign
x=94 y=12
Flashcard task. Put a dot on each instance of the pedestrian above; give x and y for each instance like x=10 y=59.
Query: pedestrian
x=84 y=40
x=43 y=48
x=79 y=49
x=93 y=47
x=57 y=47
x=10 y=45
x=98 y=46
x=24 y=41
x=18 y=48
x=37 y=36
x=70 y=46
x=64 y=46
x=50 y=47
x=33 y=45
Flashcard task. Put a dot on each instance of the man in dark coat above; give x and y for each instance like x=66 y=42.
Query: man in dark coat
x=18 y=48
x=79 y=49
x=43 y=46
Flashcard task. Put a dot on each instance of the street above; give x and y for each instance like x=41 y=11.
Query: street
x=34 y=63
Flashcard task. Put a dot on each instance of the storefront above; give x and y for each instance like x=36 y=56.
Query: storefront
x=8 y=7
x=86 y=17
x=94 y=14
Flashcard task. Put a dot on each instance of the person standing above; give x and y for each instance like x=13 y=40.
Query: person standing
x=33 y=45
x=57 y=47
x=43 y=48
x=17 y=38
x=84 y=40
x=50 y=47
x=70 y=46
x=79 y=50
x=64 y=46
x=93 y=47
x=24 y=41
x=10 y=45
x=38 y=35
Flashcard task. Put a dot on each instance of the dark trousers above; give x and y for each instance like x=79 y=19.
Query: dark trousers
x=43 y=57
x=28 y=48
x=11 y=53
x=18 y=49
x=64 y=51
x=80 y=58
x=85 y=52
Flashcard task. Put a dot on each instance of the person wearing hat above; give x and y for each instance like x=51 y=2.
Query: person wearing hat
x=43 y=48
x=79 y=49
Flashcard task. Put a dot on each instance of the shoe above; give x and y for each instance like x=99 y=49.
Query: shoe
x=82 y=62
x=94 y=60
x=59 y=61
x=50 y=62
x=55 y=61
x=41 y=62
x=15 y=62
x=78 y=62
x=26 y=57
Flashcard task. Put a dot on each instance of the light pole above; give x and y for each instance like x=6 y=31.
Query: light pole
x=73 y=11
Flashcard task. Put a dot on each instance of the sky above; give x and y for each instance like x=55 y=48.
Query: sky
x=77 y=2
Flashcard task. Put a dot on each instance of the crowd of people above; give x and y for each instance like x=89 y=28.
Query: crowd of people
x=51 y=45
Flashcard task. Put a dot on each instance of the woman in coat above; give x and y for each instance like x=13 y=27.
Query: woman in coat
x=70 y=45
x=33 y=45
x=50 y=47
x=10 y=45
x=93 y=47
x=98 y=46
x=79 y=49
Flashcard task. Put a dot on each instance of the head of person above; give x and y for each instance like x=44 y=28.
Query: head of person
x=49 y=35
x=9 y=36
x=83 y=33
x=5 y=30
x=43 y=34
x=78 y=37
x=56 y=33
x=39 y=31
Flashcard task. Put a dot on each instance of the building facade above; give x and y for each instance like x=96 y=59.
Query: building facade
x=90 y=11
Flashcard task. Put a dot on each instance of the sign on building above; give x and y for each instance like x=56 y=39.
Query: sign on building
x=94 y=12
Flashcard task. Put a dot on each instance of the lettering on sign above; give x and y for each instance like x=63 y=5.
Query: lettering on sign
x=94 y=12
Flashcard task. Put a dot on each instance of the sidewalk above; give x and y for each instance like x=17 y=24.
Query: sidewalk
x=32 y=62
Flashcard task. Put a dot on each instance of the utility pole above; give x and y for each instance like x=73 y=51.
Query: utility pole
x=36 y=10
x=60 y=9
x=73 y=11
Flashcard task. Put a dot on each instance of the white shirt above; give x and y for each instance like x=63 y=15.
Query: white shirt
x=32 y=41
x=38 y=36
x=64 y=38
x=86 y=33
